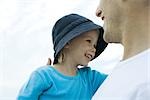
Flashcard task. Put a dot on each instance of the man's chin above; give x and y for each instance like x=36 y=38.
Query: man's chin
x=110 y=39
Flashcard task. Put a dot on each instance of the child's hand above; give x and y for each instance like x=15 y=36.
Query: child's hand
x=49 y=61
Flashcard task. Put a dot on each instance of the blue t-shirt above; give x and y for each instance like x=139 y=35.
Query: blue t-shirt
x=46 y=83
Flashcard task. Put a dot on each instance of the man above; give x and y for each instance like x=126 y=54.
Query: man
x=127 y=22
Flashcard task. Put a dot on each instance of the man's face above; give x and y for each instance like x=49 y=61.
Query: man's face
x=110 y=12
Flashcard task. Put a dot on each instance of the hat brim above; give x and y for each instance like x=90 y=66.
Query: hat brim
x=101 y=44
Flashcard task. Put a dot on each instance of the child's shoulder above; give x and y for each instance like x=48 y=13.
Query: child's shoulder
x=89 y=70
x=85 y=69
x=44 y=70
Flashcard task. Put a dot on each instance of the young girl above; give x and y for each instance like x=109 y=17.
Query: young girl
x=77 y=41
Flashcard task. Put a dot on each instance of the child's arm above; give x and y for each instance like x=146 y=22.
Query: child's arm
x=33 y=88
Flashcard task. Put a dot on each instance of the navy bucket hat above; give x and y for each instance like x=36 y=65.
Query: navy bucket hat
x=71 y=26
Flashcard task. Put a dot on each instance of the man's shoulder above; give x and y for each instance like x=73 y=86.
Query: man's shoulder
x=135 y=62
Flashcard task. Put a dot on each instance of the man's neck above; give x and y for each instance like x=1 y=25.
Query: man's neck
x=135 y=27
x=136 y=37
x=130 y=52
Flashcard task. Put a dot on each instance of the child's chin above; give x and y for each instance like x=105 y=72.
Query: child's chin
x=84 y=64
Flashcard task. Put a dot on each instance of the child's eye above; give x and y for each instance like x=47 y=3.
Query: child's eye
x=88 y=41
x=94 y=46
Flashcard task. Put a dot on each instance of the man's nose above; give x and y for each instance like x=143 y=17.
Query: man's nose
x=98 y=12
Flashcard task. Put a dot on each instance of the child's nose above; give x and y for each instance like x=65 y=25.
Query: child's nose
x=93 y=49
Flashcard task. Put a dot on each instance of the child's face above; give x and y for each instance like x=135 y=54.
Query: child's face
x=82 y=49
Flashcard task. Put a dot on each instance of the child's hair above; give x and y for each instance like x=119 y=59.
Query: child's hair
x=71 y=26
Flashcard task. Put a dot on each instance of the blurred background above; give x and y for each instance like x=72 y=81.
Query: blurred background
x=26 y=42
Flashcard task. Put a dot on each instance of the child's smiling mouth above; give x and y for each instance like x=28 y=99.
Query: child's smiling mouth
x=89 y=56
